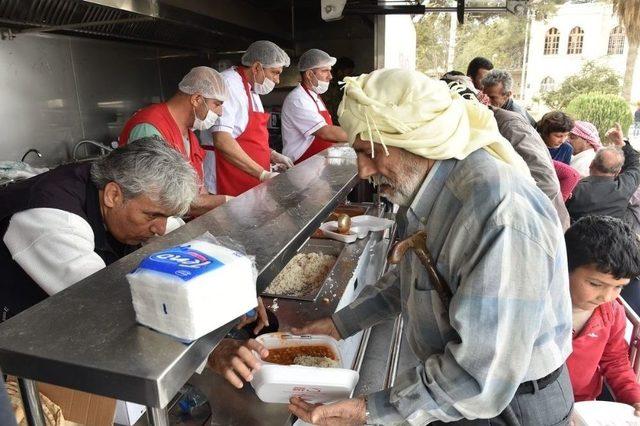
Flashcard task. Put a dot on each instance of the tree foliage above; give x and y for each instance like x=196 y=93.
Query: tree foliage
x=592 y=78
x=500 y=37
x=432 y=43
x=603 y=110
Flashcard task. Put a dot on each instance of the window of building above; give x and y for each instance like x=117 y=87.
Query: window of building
x=547 y=85
x=576 y=38
x=551 y=42
x=616 y=41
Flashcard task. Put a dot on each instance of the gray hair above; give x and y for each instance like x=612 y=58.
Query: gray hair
x=604 y=163
x=149 y=166
x=496 y=76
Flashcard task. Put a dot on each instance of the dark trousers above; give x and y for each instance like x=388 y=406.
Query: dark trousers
x=550 y=406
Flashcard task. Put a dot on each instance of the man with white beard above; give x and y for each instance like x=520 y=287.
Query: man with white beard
x=494 y=353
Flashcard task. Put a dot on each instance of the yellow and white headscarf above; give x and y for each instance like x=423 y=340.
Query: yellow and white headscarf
x=407 y=109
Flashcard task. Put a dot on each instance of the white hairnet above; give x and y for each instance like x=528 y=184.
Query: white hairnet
x=267 y=53
x=204 y=81
x=315 y=58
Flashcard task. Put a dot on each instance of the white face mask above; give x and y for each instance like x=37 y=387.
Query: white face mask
x=209 y=120
x=322 y=87
x=265 y=87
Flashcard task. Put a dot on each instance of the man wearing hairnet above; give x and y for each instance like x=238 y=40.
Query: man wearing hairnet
x=241 y=137
x=195 y=106
x=307 y=127
x=491 y=341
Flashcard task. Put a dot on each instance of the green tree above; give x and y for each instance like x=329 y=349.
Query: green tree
x=499 y=38
x=603 y=110
x=432 y=43
x=592 y=78
x=629 y=13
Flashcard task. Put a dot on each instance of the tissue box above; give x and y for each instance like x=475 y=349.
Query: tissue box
x=190 y=290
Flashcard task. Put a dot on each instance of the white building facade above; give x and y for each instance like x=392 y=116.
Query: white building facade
x=577 y=33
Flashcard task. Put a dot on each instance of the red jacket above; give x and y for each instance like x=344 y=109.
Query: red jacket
x=600 y=351
x=568 y=178
x=158 y=116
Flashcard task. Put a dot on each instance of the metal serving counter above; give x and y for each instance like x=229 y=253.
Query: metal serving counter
x=359 y=264
x=86 y=337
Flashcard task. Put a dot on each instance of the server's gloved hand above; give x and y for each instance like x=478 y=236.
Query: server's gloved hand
x=277 y=158
x=266 y=175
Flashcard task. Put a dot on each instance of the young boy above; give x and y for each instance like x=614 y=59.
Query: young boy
x=603 y=255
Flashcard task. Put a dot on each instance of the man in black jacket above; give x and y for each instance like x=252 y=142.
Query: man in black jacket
x=614 y=177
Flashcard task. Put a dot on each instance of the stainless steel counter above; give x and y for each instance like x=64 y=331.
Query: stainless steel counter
x=86 y=337
x=359 y=264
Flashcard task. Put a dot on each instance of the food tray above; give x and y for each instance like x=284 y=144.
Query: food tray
x=275 y=383
x=330 y=247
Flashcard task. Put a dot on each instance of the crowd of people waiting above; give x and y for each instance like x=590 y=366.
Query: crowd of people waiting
x=600 y=187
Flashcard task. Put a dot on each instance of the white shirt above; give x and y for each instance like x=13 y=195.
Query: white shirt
x=582 y=161
x=300 y=120
x=209 y=163
x=55 y=247
x=235 y=110
x=234 y=120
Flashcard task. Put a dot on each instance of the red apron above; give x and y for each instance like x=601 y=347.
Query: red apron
x=318 y=143
x=230 y=180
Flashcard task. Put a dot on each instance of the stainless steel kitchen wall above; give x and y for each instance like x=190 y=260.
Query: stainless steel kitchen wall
x=56 y=90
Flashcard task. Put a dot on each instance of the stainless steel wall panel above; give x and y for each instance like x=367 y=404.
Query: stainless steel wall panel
x=113 y=81
x=39 y=107
x=57 y=90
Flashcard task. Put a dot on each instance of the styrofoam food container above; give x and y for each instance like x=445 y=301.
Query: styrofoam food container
x=603 y=413
x=278 y=383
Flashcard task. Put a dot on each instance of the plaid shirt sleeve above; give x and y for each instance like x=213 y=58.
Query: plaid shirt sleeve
x=497 y=312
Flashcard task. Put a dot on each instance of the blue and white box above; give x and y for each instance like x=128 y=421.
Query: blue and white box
x=190 y=290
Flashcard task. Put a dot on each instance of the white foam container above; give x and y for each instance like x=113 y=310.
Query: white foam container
x=278 y=383
x=604 y=413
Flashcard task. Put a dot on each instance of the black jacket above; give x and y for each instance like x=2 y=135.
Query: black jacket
x=67 y=188
x=605 y=195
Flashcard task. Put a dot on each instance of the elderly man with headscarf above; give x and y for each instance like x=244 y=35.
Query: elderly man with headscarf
x=585 y=141
x=495 y=347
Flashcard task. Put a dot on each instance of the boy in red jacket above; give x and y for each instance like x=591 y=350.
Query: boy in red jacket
x=603 y=254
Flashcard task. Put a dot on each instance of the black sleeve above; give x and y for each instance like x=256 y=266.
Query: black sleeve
x=629 y=177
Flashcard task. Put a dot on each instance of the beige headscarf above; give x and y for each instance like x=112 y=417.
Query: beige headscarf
x=409 y=110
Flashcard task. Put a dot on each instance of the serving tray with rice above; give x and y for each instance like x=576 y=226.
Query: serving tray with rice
x=305 y=274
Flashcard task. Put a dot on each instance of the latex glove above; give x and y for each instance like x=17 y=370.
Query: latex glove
x=265 y=175
x=234 y=359
x=614 y=135
x=346 y=412
x=277 y=158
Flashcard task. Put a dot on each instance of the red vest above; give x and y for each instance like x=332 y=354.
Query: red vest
x=230 y=180
x=158 y=116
